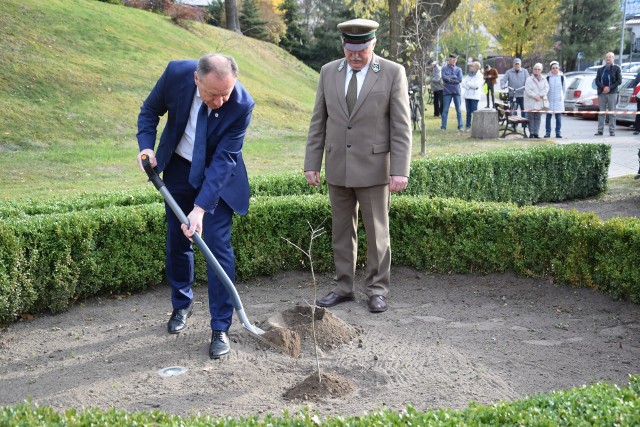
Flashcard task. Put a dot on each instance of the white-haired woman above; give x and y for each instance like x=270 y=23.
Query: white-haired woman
x=472 y=84
x=536 y=89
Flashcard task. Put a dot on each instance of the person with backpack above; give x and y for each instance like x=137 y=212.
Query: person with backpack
x=556 y=99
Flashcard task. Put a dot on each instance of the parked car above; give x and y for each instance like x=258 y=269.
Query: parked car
x=590 y=102
x=627 y=103
x=581 y=85
x=626 y=67
x=587 y=104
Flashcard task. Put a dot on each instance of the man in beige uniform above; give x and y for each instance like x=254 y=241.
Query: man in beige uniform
x=362 y=124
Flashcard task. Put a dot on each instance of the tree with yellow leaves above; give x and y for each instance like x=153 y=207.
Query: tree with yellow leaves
x=523 y=26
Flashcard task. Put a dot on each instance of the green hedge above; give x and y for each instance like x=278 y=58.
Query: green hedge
x=595 y=405
x=542 y=174
x=49 y=261
x=547 y=173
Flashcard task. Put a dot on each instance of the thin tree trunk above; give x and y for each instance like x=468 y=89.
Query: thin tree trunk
x=395 y=28
x=231 y=13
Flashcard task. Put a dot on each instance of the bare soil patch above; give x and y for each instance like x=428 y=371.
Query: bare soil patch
x=447 y=340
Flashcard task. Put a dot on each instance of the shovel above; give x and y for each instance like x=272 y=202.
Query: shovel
x=202 y=246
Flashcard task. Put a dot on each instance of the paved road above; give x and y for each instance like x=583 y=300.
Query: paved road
x=625 y=145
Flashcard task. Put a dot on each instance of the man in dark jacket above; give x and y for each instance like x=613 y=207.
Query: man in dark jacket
x=200 y=156
x=608 y=79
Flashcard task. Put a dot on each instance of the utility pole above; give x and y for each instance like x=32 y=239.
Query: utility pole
x=624 y=16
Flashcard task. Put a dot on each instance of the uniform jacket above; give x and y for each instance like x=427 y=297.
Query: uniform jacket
x=472 y=85
x=225 y=172
x=364 y=149
x=616 y=79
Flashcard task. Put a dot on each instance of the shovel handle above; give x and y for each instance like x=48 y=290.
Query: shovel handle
x=151 y=172
x=197 y=239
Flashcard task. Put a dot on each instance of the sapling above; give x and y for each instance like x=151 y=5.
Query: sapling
x=315 y=233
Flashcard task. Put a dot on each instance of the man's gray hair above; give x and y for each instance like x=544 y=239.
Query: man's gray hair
x=221 y=65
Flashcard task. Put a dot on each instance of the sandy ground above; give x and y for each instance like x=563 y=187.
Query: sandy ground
x=447 y=340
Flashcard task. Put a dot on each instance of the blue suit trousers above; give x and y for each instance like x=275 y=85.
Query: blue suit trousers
x=216 y=234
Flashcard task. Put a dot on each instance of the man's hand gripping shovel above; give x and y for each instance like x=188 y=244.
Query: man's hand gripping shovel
x=202 y=246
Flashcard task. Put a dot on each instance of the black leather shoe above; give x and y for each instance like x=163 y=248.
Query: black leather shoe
x=598 y=133
x=219 y=344
x=178 y=320
x=377 y=304
x=333 y=299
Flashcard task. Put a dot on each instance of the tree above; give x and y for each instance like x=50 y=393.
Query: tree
x=523 y=26
x=586 y=26
x=295 y=40
x=325 y=45
x=463 y=32
x=231 y=14
x=402 y=11
x=215 y=9
x=251 y=23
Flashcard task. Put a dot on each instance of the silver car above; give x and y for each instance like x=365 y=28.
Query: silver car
x=579 y=85
x=627 y=101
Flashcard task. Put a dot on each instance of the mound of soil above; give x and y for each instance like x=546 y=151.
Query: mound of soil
x=291 y=328
x=316 y=387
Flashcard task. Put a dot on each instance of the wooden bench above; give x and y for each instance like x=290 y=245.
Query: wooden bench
x=510 y=122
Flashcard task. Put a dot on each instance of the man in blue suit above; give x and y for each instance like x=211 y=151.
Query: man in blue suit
x=200 y=156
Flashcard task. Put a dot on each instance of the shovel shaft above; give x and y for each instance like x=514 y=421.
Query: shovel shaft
x=201 y=245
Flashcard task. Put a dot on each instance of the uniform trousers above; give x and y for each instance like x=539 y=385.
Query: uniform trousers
x=373 y=203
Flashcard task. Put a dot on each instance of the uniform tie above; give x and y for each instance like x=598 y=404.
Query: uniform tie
x=196 y=174
x=352 y=91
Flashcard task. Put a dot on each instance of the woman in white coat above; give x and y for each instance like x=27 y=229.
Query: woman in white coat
x=556 y=99
x=536 y=89
x=472 y=85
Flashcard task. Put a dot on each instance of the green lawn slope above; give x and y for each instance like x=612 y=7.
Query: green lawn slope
x=73 y=74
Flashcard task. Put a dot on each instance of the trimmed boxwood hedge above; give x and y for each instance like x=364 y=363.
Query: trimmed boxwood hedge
x=599 y=404
x=49 y=261
x=546 y=173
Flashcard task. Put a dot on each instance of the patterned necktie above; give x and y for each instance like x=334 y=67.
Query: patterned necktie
x=352 y=91
x=196 y=174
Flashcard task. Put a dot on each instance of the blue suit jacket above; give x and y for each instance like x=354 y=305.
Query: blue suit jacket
x=225 y=172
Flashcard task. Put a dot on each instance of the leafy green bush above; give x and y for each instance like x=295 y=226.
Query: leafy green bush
x=547 y=173
x=50 y=260
x=542 y=174
x=600 y=404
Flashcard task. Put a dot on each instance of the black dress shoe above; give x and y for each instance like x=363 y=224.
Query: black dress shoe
x=333 y=299
x=377 y=304
x=178 y=320
x=598 y=133
x=219 y=344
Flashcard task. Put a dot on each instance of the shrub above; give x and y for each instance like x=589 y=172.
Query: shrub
x=49 y=261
